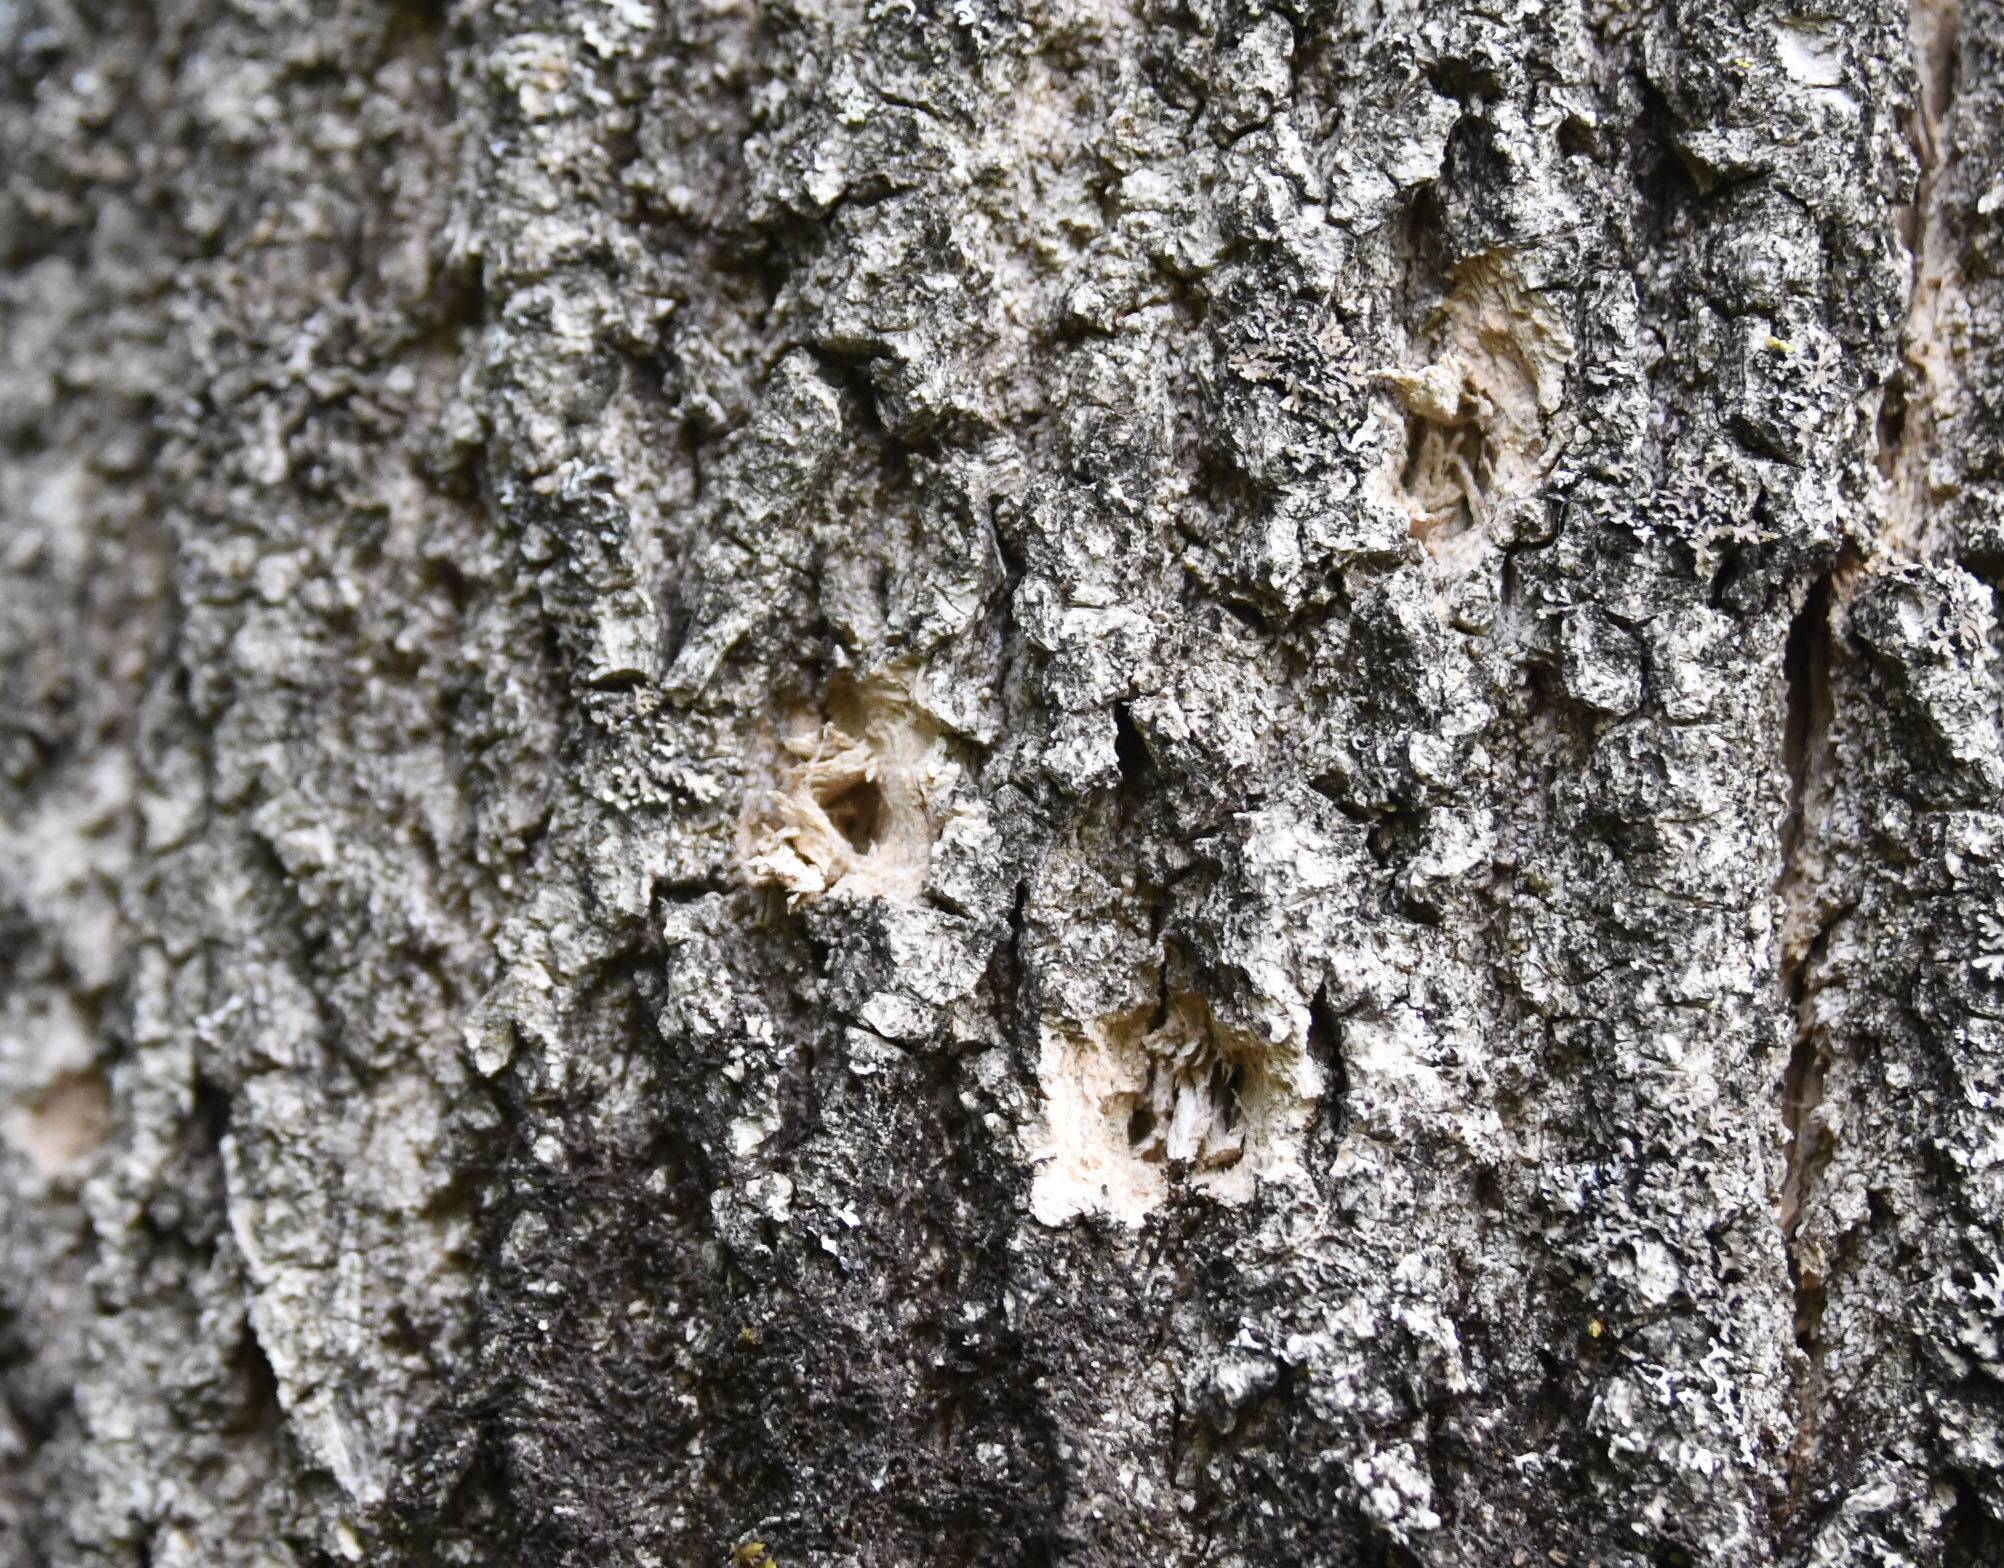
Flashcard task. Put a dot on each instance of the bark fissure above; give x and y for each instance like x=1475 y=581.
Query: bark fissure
x=1927 y=381
x=1808 y=760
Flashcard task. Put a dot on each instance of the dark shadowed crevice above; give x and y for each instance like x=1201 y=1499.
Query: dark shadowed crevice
x=1970 y=1537
x=1131 y=753
x=1802 y=1092
x=259 y=1409
x=1807 y=756
x=1891 y=424
x=1806 y=716
x=857 y=810
x=1332 y=1108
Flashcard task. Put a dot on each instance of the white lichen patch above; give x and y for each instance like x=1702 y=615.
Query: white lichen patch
x=853 y=798
x=1811 y=54
x=1477 y=413
x=1136 y=1105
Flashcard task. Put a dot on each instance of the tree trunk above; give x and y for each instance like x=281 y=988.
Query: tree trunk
x=1035 y=782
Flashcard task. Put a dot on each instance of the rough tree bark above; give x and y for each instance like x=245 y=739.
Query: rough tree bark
x=1043 y=781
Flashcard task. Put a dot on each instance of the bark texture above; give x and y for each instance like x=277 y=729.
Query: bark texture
x=863 y=782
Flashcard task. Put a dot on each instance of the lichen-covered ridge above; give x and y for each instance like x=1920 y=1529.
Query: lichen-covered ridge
x=1027 y=782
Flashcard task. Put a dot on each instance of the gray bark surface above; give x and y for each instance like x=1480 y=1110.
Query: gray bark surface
x=1027 y=782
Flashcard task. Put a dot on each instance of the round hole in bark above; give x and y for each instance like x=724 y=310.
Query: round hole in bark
x=1227 y=1085
x=1448 y=469
x=857 y=811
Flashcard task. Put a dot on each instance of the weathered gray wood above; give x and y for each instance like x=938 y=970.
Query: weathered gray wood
x=1043 y=781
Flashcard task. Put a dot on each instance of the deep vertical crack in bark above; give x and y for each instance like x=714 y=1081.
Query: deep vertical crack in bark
x=1808 y=760
x=1917 y=394
x=1914 y=404
x=1906 y=431
x=1809 y=764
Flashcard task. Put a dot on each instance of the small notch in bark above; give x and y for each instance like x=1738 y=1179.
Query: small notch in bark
x=1130 y=752
x=1726 y=577
x=1577 y=139
x=1325 y=1049
x=1891 y=424
x=259 y=1409
x=1160 y=1016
